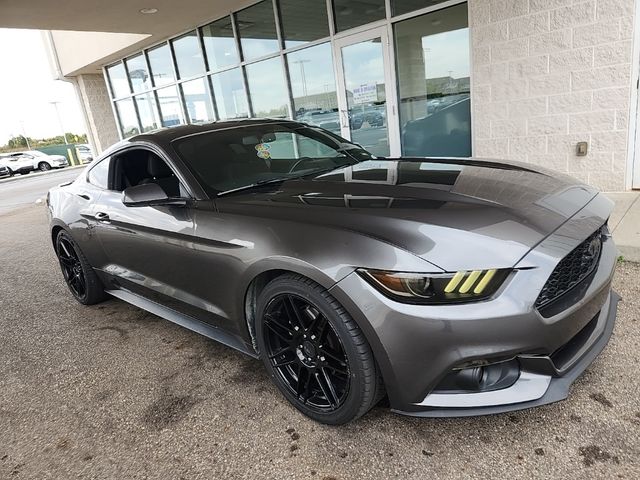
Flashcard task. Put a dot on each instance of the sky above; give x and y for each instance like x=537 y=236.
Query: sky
x=27 y=88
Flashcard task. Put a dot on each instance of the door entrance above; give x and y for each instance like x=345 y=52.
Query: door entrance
x=365 y=92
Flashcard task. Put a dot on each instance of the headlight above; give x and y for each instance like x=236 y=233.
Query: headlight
x=459 y=287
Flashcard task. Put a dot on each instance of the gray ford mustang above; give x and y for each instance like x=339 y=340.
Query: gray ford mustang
x=450 y=286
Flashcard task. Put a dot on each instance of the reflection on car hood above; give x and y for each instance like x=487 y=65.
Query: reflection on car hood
x=454 y=213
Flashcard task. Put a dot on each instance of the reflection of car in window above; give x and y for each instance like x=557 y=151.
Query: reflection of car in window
x=444 y=132
x=327 y=119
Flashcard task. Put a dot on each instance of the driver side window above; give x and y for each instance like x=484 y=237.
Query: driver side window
x=138 y=166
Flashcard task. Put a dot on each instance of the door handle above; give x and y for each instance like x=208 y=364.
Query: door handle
x=84 y=195
x=102 y=217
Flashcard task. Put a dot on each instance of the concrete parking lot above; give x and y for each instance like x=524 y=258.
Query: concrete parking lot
x=110 y=391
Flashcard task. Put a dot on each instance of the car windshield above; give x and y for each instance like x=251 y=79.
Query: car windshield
x=35 y=153
x=237 y=158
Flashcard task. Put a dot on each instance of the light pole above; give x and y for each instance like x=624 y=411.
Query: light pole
x=55 y=105
x=304 y=79
x=24 y=134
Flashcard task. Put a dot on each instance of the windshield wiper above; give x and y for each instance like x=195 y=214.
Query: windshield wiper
x=257 y=184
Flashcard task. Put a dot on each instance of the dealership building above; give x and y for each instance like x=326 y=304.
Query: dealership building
x=549 y=82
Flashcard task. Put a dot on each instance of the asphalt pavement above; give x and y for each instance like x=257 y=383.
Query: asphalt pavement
x=22 y=190
x=112 y=392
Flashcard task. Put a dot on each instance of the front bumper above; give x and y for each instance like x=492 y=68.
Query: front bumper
x=417 y=346
x=540 y=381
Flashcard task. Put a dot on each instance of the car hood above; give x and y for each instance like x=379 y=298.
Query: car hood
x=454 y=213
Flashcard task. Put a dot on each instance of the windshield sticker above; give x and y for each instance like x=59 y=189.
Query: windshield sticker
x=263 y=150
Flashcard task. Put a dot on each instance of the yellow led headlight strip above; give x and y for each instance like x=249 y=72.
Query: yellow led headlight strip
x=470 y=279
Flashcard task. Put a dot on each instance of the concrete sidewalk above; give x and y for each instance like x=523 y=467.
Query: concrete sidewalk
x=625 y=223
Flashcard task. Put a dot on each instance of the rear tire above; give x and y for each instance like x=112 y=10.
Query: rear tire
x=83 y=283
x=318 y=357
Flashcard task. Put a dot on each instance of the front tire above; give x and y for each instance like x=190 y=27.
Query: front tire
x=314 y=351
x=44 y=167
x=83 y=283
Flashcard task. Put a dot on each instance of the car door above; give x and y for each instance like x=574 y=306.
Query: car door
x=149 y=249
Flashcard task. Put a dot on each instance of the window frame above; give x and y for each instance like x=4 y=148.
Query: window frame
x=193 y=191
x=109 y=173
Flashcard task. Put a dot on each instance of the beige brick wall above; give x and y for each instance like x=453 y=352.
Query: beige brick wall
x=548 y=74
x=101 y=123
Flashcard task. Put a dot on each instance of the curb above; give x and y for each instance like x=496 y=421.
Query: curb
x=40 y=174
x=629 y=253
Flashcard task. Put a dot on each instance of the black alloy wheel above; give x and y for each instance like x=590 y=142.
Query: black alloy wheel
x=306 y=352
x=72 y=268
x=80 y=277
x=44 y=166
x=315 y=352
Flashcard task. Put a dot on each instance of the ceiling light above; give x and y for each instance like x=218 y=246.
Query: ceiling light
x=148 y=11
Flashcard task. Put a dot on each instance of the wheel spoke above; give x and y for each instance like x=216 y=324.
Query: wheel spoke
x=337 y=370
x=284 y=363
x=66 y=260
x=326 y=385
x=320 y=326
x=81 y=283
x=332 y=356
x=292 y=312
x=276 y=327
x=74 y=284
x=284 y=349
x=302 y=383
x=66 y=250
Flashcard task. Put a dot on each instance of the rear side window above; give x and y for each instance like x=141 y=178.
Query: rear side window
x=99 y=175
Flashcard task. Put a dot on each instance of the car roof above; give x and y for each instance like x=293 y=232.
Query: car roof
x=164 y=136
x=170 y=134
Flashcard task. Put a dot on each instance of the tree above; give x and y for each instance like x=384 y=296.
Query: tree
x=17 y=142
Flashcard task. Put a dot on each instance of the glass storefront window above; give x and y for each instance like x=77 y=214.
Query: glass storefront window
x=228 y=89
x=257 y=29
x=314 y=88
x=197 y=100
x=432 y=59
x=188 y=55
x=118 y=81
x=147 y=111
x=303 y=22
x=267 y=88
x=349 y=14
x=220 y=44
x=398 y=7
x=138 y=73
x=169 y=103
x=128 y=118
x=363 y=67
x=161 y=65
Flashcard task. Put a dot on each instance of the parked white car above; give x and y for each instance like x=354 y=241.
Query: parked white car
x=85 y=153
x=29 y=160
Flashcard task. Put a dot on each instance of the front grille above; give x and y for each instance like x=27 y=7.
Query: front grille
x=572 y=269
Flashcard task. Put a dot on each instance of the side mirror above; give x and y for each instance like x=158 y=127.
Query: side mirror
x=149 y=194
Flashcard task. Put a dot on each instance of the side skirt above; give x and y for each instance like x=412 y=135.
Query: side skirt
x=183 y=320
